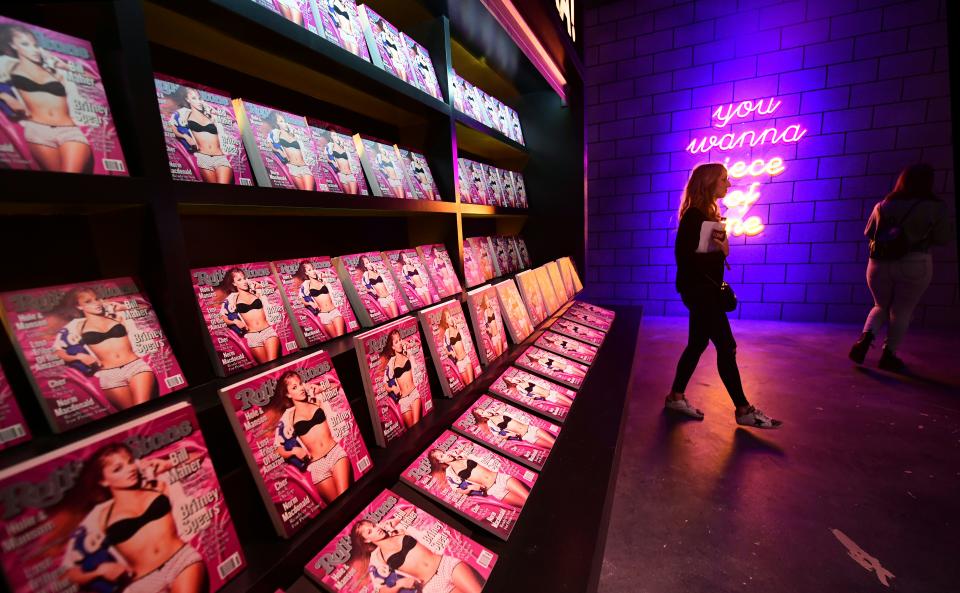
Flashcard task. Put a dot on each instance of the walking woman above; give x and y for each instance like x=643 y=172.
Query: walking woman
x=699 y=277
x=902 y=228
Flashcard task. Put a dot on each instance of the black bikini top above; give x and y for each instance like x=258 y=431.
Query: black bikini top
x=124 y=529
x=419 y=169
x=491 y=318
x=210 y=128
x=339 y=155
x=387 y=163
x=464 y=474
x=27 y=85
x=455 y=340
x=92 y=337
x=377 y=280
x=337 y=10
x=318 y=292
x=396 y=560
x=530 y=387
x=503 y=424
x=245 y=308
x=302 y=427
x=287 y=144
x=389 y=44
x=397 y=371
x=412 y=274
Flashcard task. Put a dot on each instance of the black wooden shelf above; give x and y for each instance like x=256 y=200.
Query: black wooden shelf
x=480 y=211
x=485 y=142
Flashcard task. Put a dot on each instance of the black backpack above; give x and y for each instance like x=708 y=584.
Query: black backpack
x=889 y=240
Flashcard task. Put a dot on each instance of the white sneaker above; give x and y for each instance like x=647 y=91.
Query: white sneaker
x=683 y=407
x=757 y=419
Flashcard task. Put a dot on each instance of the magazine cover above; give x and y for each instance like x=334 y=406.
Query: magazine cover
x=517 y=134
x=381 y=162
x=370 y=288
x=501 y=260
x=472 y=274
x=395 y=379
x=521 y=189
x=242 y=309
x=485 y=315
x=90 y=349
x=567 y=278
x=418 y=173
x=513 y=312
x=464 y=181
x=480 y=100
x=553 y=366
x=412 y=277
x=468 y=97
x=383 y=41
x=394 y=546
x=338 y=163
x=54 y=115
x=534 y=393
x=512 y=254
x=509 y=191
x=571 y=328
x=510 y=431
x=506 y=123
x=315 y=299
x=299 y=438
x=553 y=273
x=340 y=22
x=550 y=297
x=13 y=428
x=134 y=508
x=480 y=249
x=493 y=106
x=588 y=319
x=201 y=132
x=479 y=192
x=279 y=147
x=568 y=263
x=451 y=347
x=524 y=254
x=298 y=12
x=472 y=481
x=566 y=346
x=421 y=66
x=494 y=188
x=532 y=298
x=440 y=268
x=596 y=310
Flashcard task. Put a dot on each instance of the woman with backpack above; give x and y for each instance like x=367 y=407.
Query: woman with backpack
x=901 y=229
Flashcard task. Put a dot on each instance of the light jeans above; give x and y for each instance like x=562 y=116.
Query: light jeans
x=897 y=287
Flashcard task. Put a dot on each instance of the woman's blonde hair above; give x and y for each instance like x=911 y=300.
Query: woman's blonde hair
x=699 y=191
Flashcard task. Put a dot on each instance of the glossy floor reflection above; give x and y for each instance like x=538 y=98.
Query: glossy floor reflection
x=862 y=482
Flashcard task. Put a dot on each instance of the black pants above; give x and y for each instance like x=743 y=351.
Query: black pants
x=708 y=323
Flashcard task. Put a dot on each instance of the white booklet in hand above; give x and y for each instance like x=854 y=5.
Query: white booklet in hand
x=708 y=230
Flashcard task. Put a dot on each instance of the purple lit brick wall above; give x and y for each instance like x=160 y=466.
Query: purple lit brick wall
x=867 y=79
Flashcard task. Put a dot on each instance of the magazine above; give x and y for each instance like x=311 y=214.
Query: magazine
x=280 y=148
x=440 y=268
x=566 y=346
x=54 y=115
x=596 y=310
x=525 y=260
x=559 y=288
x=337 y=158
x=519 y=435
x=315 y=299
x=482 y=256
x=534 y=393
x=512 y=254
x=501 y=259
x=517 y=131
x=571 y=328
x=395 y=546
x=553 y=366
x=568 y=263
x=485 y=315
x=340 y=22
x=421 y=66
x=418 y=173
x=298 y=12
x=368 y=282
x=90 y=349
x=520 y=187
x=480 y=100
x=451 y=347
x=412 y=277
x=472 y=481
x=567 y=278
x=243 y=311
x=494 y=186
x=139 y=499
x=387 y=51
x=464 y=180
x=383 y=167
x=459 y=92
x=472 y=274
x=509 y=191
x=479 y=192
x=550 y=298
x=532 y=298
x=588 y=319
x=513 y=311
x=395 y=378
x=13 y=428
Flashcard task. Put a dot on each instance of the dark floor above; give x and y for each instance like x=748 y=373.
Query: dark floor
x=866 y=461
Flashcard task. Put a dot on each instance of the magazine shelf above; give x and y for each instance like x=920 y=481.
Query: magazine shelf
x=486 y=143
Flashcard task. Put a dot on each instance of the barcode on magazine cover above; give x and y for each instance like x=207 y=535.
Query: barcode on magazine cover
x=229 y=565
x=174 y=381
x=428 y=405
x=14 y=432
x=364 y=463
x=246 y=181
x=292 y=345
x=113 y=165
x=528 y=475
x=484 y=558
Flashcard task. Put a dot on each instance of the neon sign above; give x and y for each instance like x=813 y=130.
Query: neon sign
x=566 y=9
x=738 y=202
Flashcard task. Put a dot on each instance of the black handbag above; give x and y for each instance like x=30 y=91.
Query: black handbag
x=726 y=298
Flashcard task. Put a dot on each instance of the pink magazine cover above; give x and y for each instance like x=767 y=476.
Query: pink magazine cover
x=54 y=99
x=509 y=191
x=340 y=22
x=134 y=508
x=383 y=41
x=494 y=187
x=567 y=278
x=569 y=327
x=433 y=557
x=524 y=254
x=510 y=431
x=517 y=131
x=596 y=310
x=338 y=164
x=201 y=132
x=440 y=268
x=506 y=125
x=458 y=92
x=464 y=181
x=384 y=168
x=550 y=298
x=480 y=249
x=90 y=349
x=472 y=481
x=472 y=274
x=411 y=275
x=280 y=147
x=315 y=299
x=553 y=366
x=298 y=12
x=417 y=171
x=559 y=288
x=421 y=66
x=299 y=438
x=487 y=322
x=568 y=263
x=480 y=101
x=479 y=192
x=566 y=346
x=501 y=257
x=369 y=285
x=493 y=113
x=532 y=298
x=588 y=319
x=395 y=378
x=513 y=312
x=535 y=393
x=521 y=189
x=512 y=254
x=13 y=428
x=451 y=347
x=243 y=311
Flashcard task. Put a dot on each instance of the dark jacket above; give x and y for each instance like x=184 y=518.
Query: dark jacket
x=924 y=219
x=695 y=270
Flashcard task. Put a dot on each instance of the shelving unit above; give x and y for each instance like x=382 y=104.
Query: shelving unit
x=60 y=228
